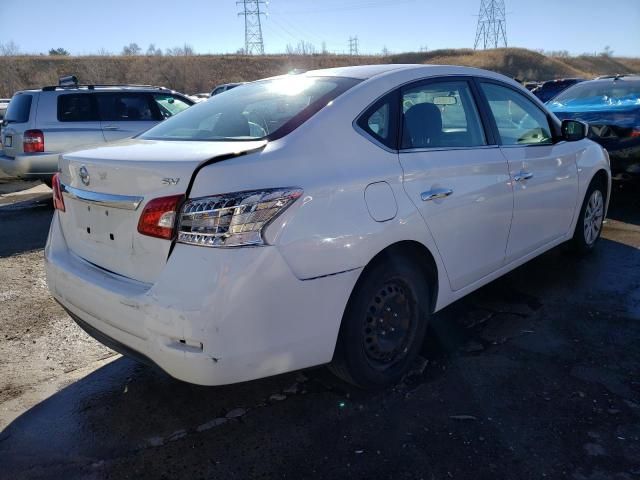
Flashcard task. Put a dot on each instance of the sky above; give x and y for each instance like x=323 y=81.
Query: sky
x=213 y=26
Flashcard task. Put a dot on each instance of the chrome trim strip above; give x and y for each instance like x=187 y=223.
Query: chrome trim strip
x=124 y=202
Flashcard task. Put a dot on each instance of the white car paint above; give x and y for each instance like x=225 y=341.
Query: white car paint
x=214 y=316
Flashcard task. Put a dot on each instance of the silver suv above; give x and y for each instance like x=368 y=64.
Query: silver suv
x=41 y=124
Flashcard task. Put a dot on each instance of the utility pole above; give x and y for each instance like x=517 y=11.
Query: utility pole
x=353 y=45
x=492 y=25
x=253 y=43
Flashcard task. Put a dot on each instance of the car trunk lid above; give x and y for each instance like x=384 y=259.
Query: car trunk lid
x=107 y=188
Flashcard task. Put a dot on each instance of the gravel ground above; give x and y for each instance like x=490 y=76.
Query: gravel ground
x=537 y=375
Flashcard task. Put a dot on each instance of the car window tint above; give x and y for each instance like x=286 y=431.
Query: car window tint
x=170 y=105
x=122 y=107
x=77 y=108
x=440 y=114
x=19 y=109
x=519 y=120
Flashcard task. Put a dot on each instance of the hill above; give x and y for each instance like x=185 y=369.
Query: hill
x=200 y=73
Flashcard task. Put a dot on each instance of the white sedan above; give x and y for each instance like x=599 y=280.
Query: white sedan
x=316 y=218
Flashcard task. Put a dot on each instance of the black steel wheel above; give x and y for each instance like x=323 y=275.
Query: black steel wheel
x=384 y=324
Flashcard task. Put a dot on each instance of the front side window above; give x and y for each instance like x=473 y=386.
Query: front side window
x=170 y=105
x=123 y=107
x=519 y=120
x=77 y=108
x=440 y=114
x=264 y=109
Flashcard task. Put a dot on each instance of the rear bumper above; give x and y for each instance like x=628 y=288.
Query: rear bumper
x=212 y=317
x=37 y=166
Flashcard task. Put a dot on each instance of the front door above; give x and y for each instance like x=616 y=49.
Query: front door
x=544 y=173
x=124 y=114
x=456 y=178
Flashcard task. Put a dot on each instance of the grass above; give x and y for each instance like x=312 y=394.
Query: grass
x=201 y=73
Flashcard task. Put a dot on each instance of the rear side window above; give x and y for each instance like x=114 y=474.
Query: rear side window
x=380 y=121
x=77 y=108
x=440 y=114
x=19 y=109
x=127 y=107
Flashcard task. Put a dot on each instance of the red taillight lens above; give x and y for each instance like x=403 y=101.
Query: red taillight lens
x=635 y=133
x=58 y=201
x=33 y=141
x=159 y=217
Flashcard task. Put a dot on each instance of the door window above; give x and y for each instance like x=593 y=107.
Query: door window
x=519 y=120
x=77 y=108
x=440 y=114
x=123 y=107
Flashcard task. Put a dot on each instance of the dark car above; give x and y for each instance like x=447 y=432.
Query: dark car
x=549 y=89
x=611 y=107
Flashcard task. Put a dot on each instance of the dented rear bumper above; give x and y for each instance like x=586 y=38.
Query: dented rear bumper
x=213 y=317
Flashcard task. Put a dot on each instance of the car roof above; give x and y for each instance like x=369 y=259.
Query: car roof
x=101 y=88
x=365 y=72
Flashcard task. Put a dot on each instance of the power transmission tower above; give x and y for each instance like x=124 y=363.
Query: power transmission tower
x=353 y=45
x=492 y=25
x=253 y=43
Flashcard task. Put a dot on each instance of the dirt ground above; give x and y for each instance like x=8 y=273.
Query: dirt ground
x=537 y=375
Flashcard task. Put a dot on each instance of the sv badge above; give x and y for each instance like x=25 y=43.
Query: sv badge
x=170 y=181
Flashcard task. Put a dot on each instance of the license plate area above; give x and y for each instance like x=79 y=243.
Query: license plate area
x=8 y=141
x=107 y=228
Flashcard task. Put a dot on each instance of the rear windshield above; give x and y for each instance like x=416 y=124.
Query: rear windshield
x=19 y=108
x=610 y=92
x=266 y=109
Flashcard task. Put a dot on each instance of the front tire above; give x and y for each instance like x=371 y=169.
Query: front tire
x=590 y=222
x=384 y=324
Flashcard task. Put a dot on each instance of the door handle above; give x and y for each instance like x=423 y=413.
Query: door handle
x=523 y=176
x=435 y=193
x=111 y=127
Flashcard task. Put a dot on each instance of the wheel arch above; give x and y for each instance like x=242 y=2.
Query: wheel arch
x=416 y=252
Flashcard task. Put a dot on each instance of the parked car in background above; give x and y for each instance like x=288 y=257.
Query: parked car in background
x=262 y=231
x=549 y=89
x=41 y=124
x=611 y=107
x=224 y=87
x=531 y=85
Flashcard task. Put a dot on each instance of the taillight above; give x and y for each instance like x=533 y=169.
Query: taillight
x=58 y=201
x=233 y=219
x=33 y=141
x=159 y=216
x=635 y=133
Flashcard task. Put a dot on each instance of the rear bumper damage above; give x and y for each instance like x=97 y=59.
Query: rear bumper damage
x=213 y=317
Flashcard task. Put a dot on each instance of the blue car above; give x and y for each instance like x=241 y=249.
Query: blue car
x=611 y=107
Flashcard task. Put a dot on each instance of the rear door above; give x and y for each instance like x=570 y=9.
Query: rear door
x=126 y=114
x=69 y=121
x=544 y=174
x=456 y=176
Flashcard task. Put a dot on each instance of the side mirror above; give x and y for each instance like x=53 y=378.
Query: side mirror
x=574 y=130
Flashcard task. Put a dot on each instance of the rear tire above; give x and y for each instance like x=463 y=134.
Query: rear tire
x=384 y=324
x=589 y=226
